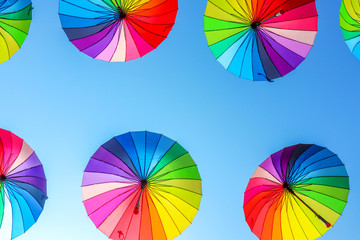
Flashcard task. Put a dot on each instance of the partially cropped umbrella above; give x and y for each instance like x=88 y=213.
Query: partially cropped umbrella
x=22 y=186
x=350 y=25
x=117 y=30
x=15 y=19
x=141 y=186
x=260 y=39
x=297 y=193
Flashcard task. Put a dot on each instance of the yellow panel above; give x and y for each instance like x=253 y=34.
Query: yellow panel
x=170 y=228
x=242 y=8
x=225 y=13
x=306 y=225
x=296 y=229
x=285 y=225
x=306 y=213
x=351 y=10
x=12 y=45
x=325 y=212
x=186 y=209
x=4 y=53
x=188 y=184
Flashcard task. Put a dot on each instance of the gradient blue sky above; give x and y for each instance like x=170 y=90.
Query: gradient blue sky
x=65 y=105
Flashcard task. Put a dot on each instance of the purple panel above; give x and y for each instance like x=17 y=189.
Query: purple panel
x=269 y=166
x=276 y=160
x=282 y=66
x=90 y=178
x=103 y=167
x=94 y=50
x=104 y=155
x=36 y=182
x=32 y=161
x=89 y=41
x=37 y=172
x=285 y=157
x=289 y=56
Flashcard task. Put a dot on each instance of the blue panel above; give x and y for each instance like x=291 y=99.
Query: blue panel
x=328 y=162
x=17 y=218
x=152 y=140
x=163 y=146
x=247 y=69
x=226 y=58
x=15 y=7
x=356 y=51
x=237 y=62
x=127 y=143
x=258 y=69
x=139 y=142
x=36 y=193
x=75 y=22
x=72 y=10
x=308 y=153
x=338 y=171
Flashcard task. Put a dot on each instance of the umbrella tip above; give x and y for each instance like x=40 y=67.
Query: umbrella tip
x=136 y=211
x=328 y=224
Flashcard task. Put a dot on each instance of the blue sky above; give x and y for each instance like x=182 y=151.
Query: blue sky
x=65 y=105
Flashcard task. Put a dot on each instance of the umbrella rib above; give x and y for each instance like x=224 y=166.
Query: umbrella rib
x=265 y=30
x=15 y=183
x=19 y=164
x=272 y=160
x=159 y=183
x=146 y=9
x=134 y=177
x=269 y=197
x=242 y=44
x=304 y=176
x=112 y=56
x=248 y=17
x=307 y=190
x=12 y=174
x=270 y=174
x=150 y=199
x=132 y=22
x=81 y=7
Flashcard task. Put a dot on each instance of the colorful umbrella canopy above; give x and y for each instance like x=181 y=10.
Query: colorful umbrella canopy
x=141 y=185
x=117 y=30
x=350 y=24
x=260 y=39
x=22 y=186
x=297 y=193
x=15 y=19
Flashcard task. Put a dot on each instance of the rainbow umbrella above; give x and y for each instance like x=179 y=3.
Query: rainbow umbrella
x=15 y=19
x=297 y=193
x=141 y=185
x=117 y=30
x=260 y=39
x=350 y=24
x=22 y=186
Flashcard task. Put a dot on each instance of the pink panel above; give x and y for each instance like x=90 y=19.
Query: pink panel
x=307 y=24
x=131 y=50
x=141 y=44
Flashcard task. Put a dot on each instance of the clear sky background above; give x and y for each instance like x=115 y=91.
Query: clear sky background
x=66 y=104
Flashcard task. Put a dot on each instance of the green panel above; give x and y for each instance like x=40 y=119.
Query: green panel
x=212 y=24
x=188 y=184
x=18 y=35
x=191 y=198
x=349 y=35
x=110 y=3
x=217 y=36
x=183 y=161
x=22 y=25
x=219 y=48
x=184 y=173
x=2 y=202
x=24 y=14
x=341 y=182
x=349 y=26
x=174 y=152
x=332 y=203
x=335 y=192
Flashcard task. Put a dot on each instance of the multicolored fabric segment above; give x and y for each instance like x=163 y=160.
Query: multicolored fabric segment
x=260 y=39
x=117 y=30
x=297 y=193
x=15 y=19
x=141 y=186
x=22 y=186
x=350 y=24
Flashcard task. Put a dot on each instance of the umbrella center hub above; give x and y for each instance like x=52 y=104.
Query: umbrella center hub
x=255 y=25
x=121 y=14
x=2 y=177
x=287 y=187
x=143 y=183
